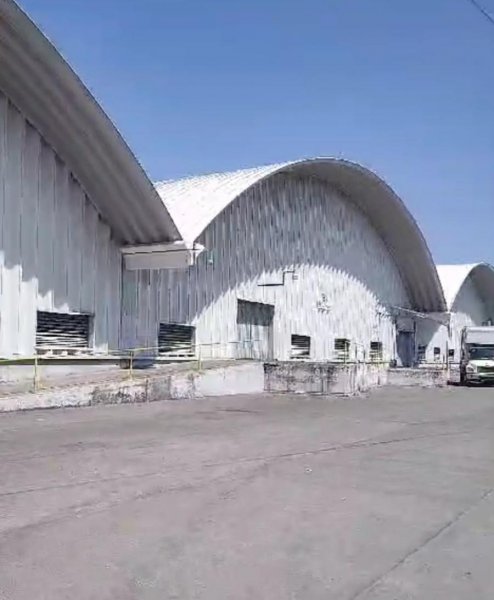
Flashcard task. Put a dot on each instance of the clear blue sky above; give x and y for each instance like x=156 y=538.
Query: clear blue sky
x=406 y=87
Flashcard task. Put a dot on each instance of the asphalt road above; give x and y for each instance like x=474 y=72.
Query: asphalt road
x=388 y=497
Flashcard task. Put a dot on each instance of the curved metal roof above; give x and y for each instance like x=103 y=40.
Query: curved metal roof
x=43 y=86
x=454 y=276
x=194 y=203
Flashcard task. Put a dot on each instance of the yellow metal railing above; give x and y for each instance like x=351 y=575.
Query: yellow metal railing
x=155 y=353
x=127 y=357
x=130 y=357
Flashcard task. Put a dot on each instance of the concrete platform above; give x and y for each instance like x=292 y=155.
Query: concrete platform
x=167 y=382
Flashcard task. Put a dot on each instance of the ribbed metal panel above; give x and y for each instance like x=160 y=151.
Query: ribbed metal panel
x=345 y=277
x=56 y=252
x=62 y=330
x=196 y=201
x=39 y=81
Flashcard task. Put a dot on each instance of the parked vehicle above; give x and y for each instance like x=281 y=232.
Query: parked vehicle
x=477 y=355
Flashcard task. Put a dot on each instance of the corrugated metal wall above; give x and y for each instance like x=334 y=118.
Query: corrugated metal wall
x=468 y=309
x=55 y=251
x=344 y=274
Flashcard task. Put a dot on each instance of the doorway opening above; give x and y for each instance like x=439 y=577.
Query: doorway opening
x=254 y=330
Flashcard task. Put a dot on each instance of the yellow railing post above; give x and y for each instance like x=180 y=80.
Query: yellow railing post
x=36 y=374
x=199 y=365
x=131 y=365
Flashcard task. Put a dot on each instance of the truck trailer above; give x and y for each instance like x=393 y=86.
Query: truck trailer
x=477 y=355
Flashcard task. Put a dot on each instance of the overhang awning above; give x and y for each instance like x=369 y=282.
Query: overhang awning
x=176 y=255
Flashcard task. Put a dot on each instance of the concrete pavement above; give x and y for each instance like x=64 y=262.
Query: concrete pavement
x=266 y=497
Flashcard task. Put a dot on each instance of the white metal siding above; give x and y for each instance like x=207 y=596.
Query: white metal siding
x=55 y=251
x=195 y=202
x=469 y=308
x=345 y=274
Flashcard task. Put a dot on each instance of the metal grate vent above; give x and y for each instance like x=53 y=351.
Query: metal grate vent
x=300 y=346
x=421 y=354
x=376 y=351
x=176 y=340
x=342 y=349
x=62 y=330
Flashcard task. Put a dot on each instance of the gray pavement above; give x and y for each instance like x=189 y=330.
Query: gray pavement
x=388 y=497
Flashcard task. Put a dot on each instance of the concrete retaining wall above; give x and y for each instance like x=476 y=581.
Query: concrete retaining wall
x=323 y=378
x=347 y=379
x=423 y=377
x=246 y=378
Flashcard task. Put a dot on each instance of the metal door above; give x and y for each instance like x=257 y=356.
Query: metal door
x=254 y=330
x=405 y=348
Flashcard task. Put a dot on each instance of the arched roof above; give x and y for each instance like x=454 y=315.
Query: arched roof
x=194 y=203
x=454 y=276
x=43 y=86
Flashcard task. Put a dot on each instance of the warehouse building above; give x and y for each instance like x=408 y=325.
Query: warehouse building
x=73 y=201
x=469 y=295
x=316 y=259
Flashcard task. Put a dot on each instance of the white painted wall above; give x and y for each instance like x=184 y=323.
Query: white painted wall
x=282 y=223
x=55 y=251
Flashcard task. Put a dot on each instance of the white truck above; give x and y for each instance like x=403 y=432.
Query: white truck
x=477 y=355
